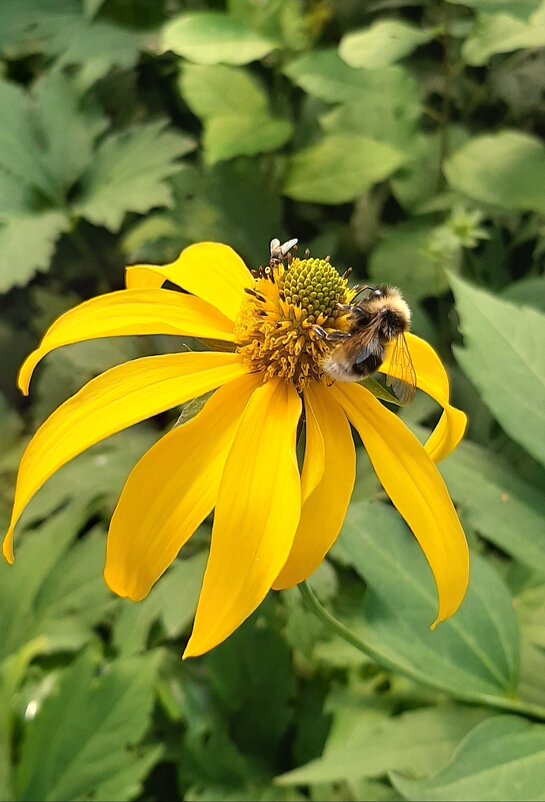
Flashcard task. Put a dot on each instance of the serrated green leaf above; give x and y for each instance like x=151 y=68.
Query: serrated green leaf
x=498 y=502
x=210 y=37
x=27 y=243
x=338 y=169
x=504 y=357
x=129 y=173
x=415 y=741
x=474 y=652
x=84 y=742
x=506 y=169
x=382 y=44
x=503 y=33
x=501 y=759
x=232 y=202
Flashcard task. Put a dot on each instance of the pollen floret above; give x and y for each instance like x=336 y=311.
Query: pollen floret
x=276 y=328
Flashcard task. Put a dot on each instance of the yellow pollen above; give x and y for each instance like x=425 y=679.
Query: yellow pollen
x=276 y=327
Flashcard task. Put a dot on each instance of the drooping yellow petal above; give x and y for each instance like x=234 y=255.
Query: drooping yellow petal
x=127 y=312
x=431 y=377
x=171 y=490
x=257 y=513
x=119 y=398
x=416 y=488
x=323 y=504
x=210 y=270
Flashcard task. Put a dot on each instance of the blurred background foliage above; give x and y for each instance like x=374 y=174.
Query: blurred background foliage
x=404 y=138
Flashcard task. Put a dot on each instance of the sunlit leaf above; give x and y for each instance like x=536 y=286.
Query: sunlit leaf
x=506 y=169
x=383 y=43
x=339 y=168
x=210 y=37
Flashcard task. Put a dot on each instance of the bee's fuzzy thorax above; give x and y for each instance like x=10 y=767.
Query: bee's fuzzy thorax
x=391 y=302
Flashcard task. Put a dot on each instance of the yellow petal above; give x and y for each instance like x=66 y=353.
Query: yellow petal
x=119 y=398
x=257 y=513
x=325 y=503
x=148 y=311
x=170 y=491
x=431 y=377
x=210 y=270
x=416 y=488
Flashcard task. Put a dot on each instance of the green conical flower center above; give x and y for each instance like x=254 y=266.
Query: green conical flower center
x=276 y=329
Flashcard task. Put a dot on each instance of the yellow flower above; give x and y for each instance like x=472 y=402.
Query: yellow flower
x=272 y=525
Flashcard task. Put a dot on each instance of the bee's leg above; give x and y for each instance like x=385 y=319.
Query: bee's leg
x=332 y=336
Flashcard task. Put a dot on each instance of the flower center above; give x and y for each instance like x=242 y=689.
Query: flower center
x=276 y=331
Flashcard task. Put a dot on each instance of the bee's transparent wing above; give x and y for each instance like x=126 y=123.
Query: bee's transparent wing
x=402 y=378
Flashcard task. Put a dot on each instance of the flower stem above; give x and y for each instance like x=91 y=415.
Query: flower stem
x=506 y=704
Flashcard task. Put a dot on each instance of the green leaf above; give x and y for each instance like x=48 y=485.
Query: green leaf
x=401 y=259
x=497 y=502
x=251 y=673
x=226 y=137
x=173 y=601
x=501 y=759
x=211 y=37
x=529 y=291
x=84 y=742
x=383 y=43
x=233 y=202
x=503 y=33
x=415 y=184
x=339 y=168
x=286 y=22
x=323 y=74
x=27 y=243
x=515 y=8
x=129 y=173
x=504 y=357
x=53 y=591
x=506 y=169
x=415 y=741
x=386 y=111
x=235 y=110
x=474 y=652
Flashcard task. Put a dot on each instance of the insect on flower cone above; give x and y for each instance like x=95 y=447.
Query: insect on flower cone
x=273 y=523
